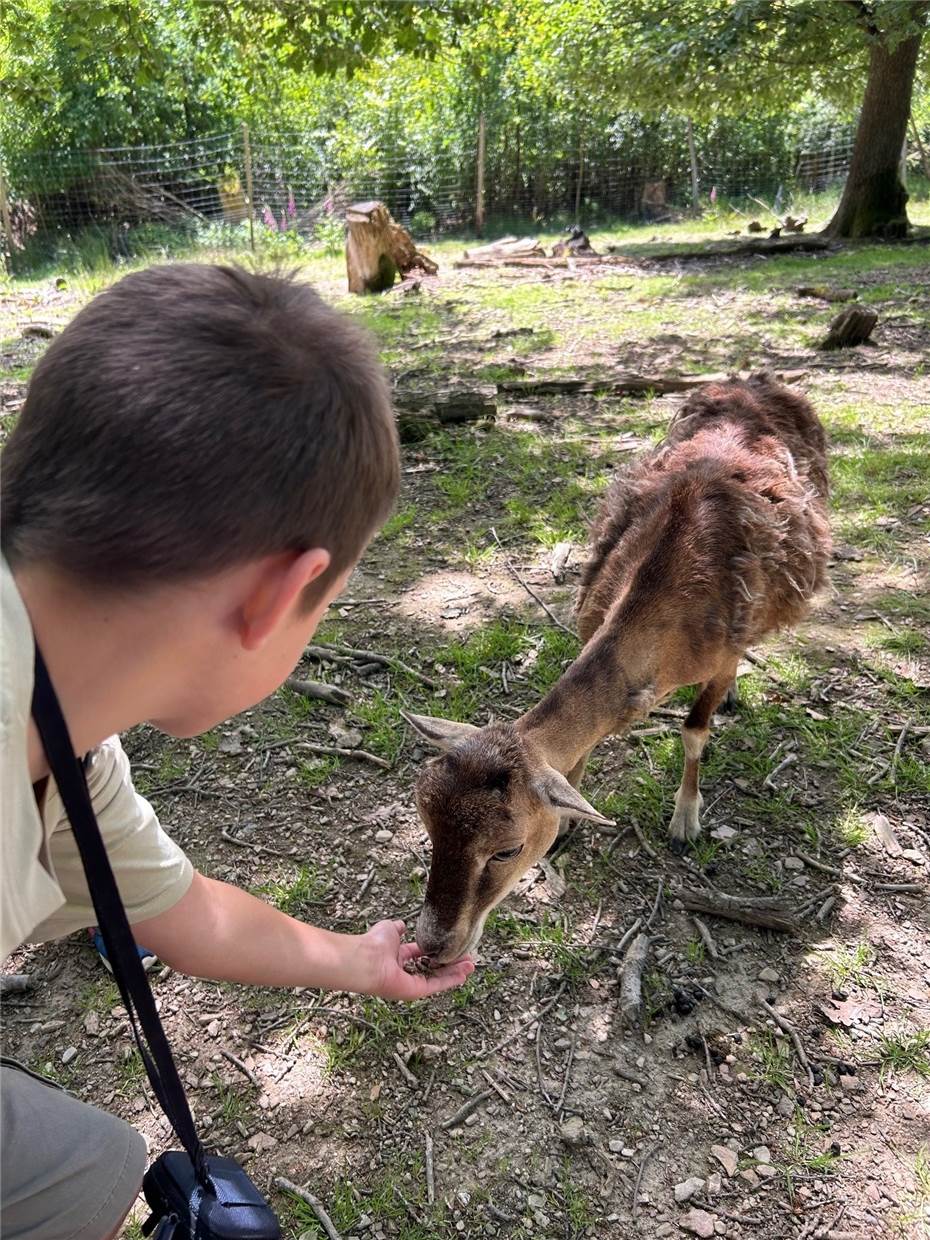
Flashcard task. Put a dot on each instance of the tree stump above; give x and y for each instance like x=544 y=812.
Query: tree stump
x=852 y=326
x=377 y=249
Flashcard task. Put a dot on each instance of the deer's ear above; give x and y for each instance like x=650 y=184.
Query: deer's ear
x=554 y=790
x=445 y=734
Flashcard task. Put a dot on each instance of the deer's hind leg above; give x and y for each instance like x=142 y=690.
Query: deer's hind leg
x=686 y=820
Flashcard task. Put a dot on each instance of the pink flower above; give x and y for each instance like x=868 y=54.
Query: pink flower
x=291 y=205
x=713 y=194
x=268 y=218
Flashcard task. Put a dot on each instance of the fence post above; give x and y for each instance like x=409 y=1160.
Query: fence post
x=692 y=155
x=7 y=226
x=479 y=189
x=580 y=178
x=247 y=156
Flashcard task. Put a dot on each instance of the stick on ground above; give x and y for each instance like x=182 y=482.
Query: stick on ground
x=319 y=692
x=313 y=1202
x=753 y=913
x=631 y=979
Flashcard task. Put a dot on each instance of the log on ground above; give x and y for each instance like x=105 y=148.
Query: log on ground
x=851 y=327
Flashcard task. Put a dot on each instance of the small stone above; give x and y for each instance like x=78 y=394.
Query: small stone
x=914 y=856
x=849 y=1084
x=765 y=1171
x=750 y=1177
x=687 y=1188
x=768 y=975
x=793 y=863
x=535 y=1202
x=664 y=1229
x=261 y=1141
x=726 y=1158
x=724 y=833
x=572 y=1131
x=92 y=1024
x=627 y=1152
x=762 y=1154
x=785 y=1106
x=714 y=1183
x=699 y=1222
x=213 y=1028
x=383 y=836
x=68 y=1055
x=615 y=1146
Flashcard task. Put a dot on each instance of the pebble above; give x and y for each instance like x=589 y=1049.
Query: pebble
x=535 y=1202
x=766 y=1171
x=92 y=1024
x=793 y=863
x=68 y=1055
x=762 y=1154
x=572 y=1131
x=615 y=1146
x=384 y=836
x=714 y=1183
x=687 y=1189
x=785 y=1106
x=726 y=1158
x=768 y=975
x=699 y=1222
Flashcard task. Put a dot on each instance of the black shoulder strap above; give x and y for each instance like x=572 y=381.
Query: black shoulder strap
x=111 y=916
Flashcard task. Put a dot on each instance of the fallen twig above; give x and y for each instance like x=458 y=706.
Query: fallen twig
x=243 y=1068
x=787 y=760
x=530 y=591
x=361 y=755
x=259 y=848
x=313 y=1202
x=707 y=937
x=631 y=979
x=752 y=912
x=514 y=1033
x=568 y=1068
x=318 y=691
x=643 y=842
x=405 y=1071
x=15 y=983
x=634 y=1204
x=787 y=1027
x=375 y=656
x=430 y=1177
x=466 y=1109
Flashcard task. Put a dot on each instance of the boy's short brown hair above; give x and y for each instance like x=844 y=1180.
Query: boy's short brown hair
x=195 y=417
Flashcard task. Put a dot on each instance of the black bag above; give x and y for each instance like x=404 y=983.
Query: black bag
x=192 y=1196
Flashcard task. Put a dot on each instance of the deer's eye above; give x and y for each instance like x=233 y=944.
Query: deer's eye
x=508 y=854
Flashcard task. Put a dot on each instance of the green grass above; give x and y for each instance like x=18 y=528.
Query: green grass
x=773 y=1063
x=852 y=965
x=297 y=896
x=905 y=1050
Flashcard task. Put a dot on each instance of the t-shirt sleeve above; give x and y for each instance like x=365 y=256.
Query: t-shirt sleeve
x=152 y=871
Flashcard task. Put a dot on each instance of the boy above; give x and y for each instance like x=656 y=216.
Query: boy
x=202 y=458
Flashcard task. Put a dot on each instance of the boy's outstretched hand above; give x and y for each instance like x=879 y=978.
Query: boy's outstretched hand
x=389 y=954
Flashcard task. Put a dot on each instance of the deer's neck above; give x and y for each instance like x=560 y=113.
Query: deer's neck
x=594 y=698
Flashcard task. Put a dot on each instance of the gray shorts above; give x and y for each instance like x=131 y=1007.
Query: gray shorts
x=67 y=1170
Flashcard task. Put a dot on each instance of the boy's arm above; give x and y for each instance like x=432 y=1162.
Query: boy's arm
x=220 y=932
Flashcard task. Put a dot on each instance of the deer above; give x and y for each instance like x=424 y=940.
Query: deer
x=715 y=538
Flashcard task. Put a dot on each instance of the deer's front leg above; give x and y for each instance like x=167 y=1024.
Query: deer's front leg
x=686 y=820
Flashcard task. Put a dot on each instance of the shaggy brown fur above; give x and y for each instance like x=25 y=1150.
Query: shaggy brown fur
x=707 y=543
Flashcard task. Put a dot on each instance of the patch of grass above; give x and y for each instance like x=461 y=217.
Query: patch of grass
x=695 y=951
x=385 y=730
x=100 y=996
x=852 y=965
x=129 y=1074
x=295 y=898
x=234 y=1102
x=807 y=1153
x=398 y=523
x=849 y=828
x=316 y=773
x=551 y=940
x=905 y=1050
x=772 y=1061
x=905 y=641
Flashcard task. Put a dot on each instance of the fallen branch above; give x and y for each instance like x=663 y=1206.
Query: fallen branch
x=319 y=692
x=405 y=1071
x=752 y=912
x=630 y=384
x=707 y=937
x=631 y=979
x=555 y=620
x=243 y=1068
x=375 y=656
x=787 y=1027
x=313 y=1202
x=430 y=1178
x=15 y=983
x=769 y=781
x=466 y=1109
x=339 y=751
x=634 y=1205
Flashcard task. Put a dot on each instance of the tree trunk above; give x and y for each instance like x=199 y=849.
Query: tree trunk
x=377 y=249
x=874 y=200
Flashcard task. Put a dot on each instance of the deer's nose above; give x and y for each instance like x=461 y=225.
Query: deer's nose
x=431 y=936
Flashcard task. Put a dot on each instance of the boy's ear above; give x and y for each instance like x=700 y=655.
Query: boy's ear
x=276 y=588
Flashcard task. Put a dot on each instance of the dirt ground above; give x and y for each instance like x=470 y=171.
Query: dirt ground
x=779 y=1084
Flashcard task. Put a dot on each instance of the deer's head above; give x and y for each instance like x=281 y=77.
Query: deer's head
x=491 y=806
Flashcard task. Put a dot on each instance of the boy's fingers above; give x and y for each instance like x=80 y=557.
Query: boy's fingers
x=447 y=977
x=400 y=927
x=409 y=951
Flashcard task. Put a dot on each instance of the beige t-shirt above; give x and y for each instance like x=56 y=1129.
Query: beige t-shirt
x=43 y=893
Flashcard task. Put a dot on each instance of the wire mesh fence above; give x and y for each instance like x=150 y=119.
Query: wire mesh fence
x=269 y=183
